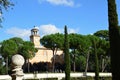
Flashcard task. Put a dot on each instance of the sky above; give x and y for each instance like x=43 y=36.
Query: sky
x=50 y=16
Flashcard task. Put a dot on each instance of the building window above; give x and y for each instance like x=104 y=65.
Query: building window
x=45 y=53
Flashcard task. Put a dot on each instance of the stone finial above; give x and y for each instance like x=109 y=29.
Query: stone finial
x=17 y=63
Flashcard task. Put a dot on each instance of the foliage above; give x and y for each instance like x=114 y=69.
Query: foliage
x=17 y=46
x=75 y=40
x=4 y=5
x=27 y=50
x=114 y=35
x=18 y=41
x=103 y=34
x=2 y=66
x=53 y=41
x=104 y=48
x=80 y=63
x=67 y=55
x=8 y=48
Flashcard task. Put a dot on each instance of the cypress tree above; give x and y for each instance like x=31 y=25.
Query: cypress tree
x=96 y=62
x=67 y=55
x=114 y=39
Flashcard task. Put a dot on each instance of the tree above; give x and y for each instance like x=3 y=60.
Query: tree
x=104 y=48
x=4 y=4
x=8 y=49
x=19 y=42
x=103 y=34
x=85 y=48
x=27 y=50
x=114 y=36
x=74 y=43
x=95 y=48
x=53 y=42
x=67 y=55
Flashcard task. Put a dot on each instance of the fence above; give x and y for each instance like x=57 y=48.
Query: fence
x=54 y=75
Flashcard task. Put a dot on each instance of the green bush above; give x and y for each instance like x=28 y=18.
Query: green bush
x=106 y=78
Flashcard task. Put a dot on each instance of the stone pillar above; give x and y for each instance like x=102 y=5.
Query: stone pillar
x=59 y=78
x=17 y=63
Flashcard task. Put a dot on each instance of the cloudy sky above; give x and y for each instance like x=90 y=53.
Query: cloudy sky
x=50 y=16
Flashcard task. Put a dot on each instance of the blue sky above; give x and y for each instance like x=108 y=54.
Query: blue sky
x=50 y=16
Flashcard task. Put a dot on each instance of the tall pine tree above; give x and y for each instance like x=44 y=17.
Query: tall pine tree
x=67 y=55
x=114 y=39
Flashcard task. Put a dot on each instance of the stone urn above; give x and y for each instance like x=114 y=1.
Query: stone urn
x=17 y=63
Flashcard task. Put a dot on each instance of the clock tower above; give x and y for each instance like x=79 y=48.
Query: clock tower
x=34 y=37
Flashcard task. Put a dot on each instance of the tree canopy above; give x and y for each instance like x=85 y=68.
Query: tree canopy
x=8 y=48
x=4 y=5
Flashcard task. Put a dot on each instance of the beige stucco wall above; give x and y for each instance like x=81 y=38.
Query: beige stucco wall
x=44 y=55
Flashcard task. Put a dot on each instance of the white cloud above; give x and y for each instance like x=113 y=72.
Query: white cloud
x=43 y=30
x=70 y=30
x=17 y=32
x=62 y=2
x=48 y=29
x=70 y=3
x=51 y=29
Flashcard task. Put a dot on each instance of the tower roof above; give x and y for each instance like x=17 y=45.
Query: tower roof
x=35 y=29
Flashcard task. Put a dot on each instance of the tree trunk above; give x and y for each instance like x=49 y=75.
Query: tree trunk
x=74 y=65
x=88 y=54
x=53 y=62
x=28 y=65
x=7 y=65
x=103 y=65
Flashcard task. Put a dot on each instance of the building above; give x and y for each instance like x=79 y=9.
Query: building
x=45 y=55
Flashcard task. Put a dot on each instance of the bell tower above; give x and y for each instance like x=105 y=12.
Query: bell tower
x=34 y=37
